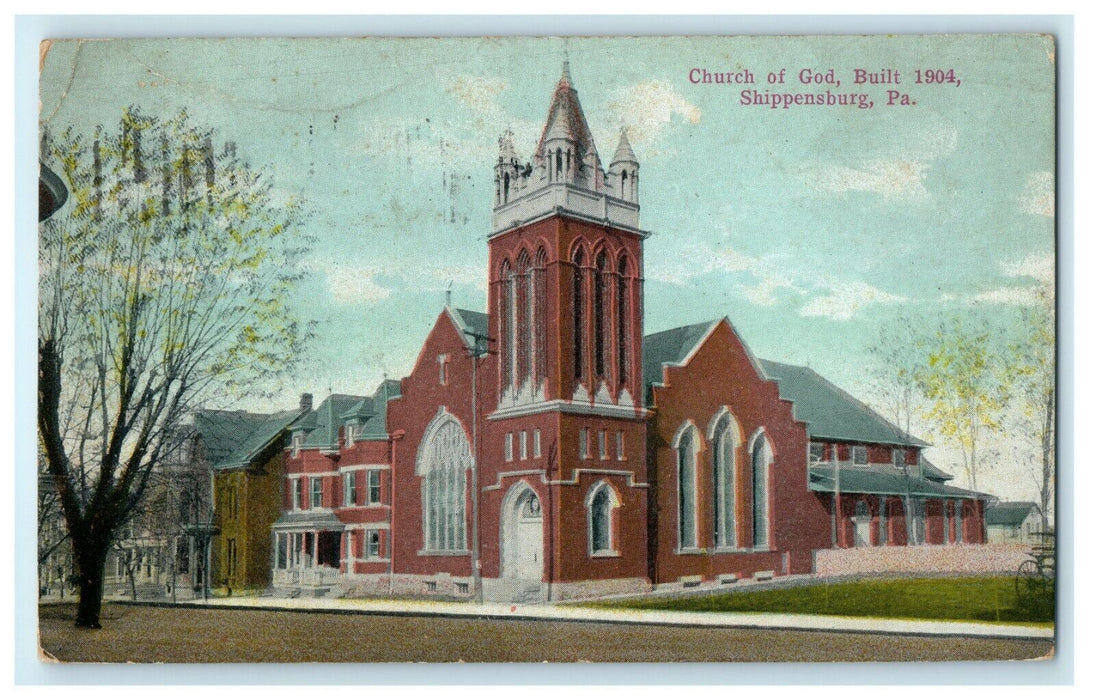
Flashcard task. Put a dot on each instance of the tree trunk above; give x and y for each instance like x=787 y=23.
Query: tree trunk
x=90 y=581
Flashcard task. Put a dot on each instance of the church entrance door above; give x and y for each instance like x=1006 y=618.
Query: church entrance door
x=522 y=535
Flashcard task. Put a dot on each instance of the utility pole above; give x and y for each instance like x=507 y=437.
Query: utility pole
x=475 y=353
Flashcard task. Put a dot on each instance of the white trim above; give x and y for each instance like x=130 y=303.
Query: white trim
x=294 y=475
x=571 y=407
x=379 y=525
x=632 y=483
x=360 y=467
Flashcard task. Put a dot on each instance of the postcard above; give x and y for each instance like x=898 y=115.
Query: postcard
x=635 y=349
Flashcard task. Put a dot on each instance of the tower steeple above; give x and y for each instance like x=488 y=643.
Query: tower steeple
x=624 y=171
x=566 y=174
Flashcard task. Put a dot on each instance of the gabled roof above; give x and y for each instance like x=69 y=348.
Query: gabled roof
x=322 y=423
x=1009 y=513
x=885 y=481
x=471 y=324
x=671 y=347
x=829 y=411
x=931 y=471
x=236 y=438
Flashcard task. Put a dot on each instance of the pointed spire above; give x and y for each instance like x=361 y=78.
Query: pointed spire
x=566 y=76
x=624 y=152
x=506 y=147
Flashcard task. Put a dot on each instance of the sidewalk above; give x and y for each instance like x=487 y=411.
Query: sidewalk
x=827 y=623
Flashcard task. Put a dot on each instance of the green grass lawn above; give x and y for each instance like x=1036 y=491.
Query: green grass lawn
x=984 y=599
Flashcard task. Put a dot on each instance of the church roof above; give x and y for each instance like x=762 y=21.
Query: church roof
x=471 y=324
x=671 y=346
x=566 y=119
x=829 y=411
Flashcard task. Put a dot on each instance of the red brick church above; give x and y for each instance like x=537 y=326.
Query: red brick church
x=548 y=449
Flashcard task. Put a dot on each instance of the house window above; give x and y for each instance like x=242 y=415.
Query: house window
x=600 y=504
x=508 y=447
x=372 y=544
x=859 y=454
x=296 y=487
x=350 y=488
x=444 y=459
x=373 y=485
x=316 y=495
x=761 y=460
x=620 y=445
x=524 y=445
x=536 y=442
x=723 y=491
x=818 y=452
x=602 y=445
x=584 y=443
x=898 y=457
x=686 y=489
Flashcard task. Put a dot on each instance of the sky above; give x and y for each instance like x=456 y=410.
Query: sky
x=810 y=228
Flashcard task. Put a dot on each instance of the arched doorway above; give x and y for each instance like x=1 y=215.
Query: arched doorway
x=522 y=536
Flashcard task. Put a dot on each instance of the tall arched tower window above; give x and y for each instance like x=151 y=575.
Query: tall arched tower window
x=506 y=325
x=724 y=443
x=539 y=317
x=444 y=457
x=623 y=327
x=599 y=315
x=761 y=460
x=578 y=312
x=523 y=300
x=686 y=446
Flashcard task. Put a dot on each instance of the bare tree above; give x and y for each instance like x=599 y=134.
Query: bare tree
x=1033 y=363
x=170 y=277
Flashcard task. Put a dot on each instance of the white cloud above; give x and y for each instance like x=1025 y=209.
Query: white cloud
x=899 y=179
x=352 y=285
x=693 y=260
x=1039 y=266
x=845 y=298
x=647 y=108
x=478 y=93
x=1038 y=195
x=1019 y=296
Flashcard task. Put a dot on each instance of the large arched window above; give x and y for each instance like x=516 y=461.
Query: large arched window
x=724 y=440
x=686 y=447
x=578 y=312
x=538 y=318
x=623 y=328
x=760 y=461
x=505 y=324
x=601 y=505
x=599 y=315
x=444 y=457
x=523 y=301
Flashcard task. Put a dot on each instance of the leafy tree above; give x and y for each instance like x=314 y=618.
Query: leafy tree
x=1033 y=364
x=966 y=388
x=167 y=280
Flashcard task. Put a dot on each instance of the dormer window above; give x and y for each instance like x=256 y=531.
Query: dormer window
x=297 y=443
x=351 y=432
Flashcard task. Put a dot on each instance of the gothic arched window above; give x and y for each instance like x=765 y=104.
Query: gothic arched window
x=760 y=459
x=686 y=486
x=600 y=506
x=523 y=299
x=623 y=311
x=444 y=457
x=599 y=316
x=538 y=317
x=724 y=444
x=578 y=312
x=506 y=323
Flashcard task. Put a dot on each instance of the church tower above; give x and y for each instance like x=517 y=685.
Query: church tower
x=566 y=312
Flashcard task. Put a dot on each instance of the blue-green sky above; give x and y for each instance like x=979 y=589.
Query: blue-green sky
x=810 y=227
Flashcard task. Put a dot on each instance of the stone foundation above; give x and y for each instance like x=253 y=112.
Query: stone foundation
x=958 y=558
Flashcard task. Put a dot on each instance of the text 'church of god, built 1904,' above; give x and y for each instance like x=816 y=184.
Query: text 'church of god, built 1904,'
x=548 y=450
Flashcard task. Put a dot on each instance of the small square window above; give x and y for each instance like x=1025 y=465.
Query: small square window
x=524 y=445
x=818 y=452
x=859 y=454
x=508 y=447
x=373 y=483
x=536 y=443
x=462 y=588
x=431 y=586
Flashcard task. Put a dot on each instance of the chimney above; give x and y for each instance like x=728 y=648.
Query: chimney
x=306 y=402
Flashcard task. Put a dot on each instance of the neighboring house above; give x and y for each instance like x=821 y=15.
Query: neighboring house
x=1013 y=521
x=547 y=450
x=246 y=453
